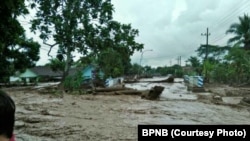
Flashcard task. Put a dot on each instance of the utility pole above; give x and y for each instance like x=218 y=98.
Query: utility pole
x=180 y=60
x=206 y=34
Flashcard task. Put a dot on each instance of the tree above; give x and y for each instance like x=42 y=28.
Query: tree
x=72 y=24
x=213 y=51
x=149 y=71
x=195 y=63
x=85 y=26
x=239 y=62
x=111 y=63
x=134 y=69
x=119 y=38
x=178 y=71
x=241 y=31
x=16 y=51
x=55 y=64
x=215 y=54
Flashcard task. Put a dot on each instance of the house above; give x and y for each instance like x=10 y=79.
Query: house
x=45 y=74
x=91 y=71
x=88 y=73
x=40 y=73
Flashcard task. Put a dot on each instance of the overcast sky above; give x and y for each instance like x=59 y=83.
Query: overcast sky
x=173 y=28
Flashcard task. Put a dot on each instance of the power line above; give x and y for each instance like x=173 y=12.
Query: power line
x=236 y=8
x=219 y=39
x=228 y=18
x=246 y=6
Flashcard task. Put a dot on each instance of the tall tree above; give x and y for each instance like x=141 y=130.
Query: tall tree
x=71 y=24
x=84 y=26
x=121 y=39
x=16 y=51
x=241 y=31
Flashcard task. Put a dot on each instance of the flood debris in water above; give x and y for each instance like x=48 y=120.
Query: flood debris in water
x=154 y=93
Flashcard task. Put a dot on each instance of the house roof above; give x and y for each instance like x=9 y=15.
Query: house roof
x=73 y=71
x=27 y=74
x=46 y=71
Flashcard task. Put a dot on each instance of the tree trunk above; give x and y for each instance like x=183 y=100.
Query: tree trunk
x=66 y=68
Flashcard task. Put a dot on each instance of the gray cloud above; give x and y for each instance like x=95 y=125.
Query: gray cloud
x=172 y=28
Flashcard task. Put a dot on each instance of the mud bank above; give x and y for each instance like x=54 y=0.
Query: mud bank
x=41 y=117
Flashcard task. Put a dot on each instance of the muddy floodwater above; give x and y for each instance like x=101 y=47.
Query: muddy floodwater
x=48 y=117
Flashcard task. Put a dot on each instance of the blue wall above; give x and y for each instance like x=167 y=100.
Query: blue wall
x=87 y=72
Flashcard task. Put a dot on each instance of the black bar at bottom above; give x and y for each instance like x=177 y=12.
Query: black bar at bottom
x=200 y=132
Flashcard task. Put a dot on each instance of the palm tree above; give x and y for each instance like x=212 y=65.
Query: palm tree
x=241 y=31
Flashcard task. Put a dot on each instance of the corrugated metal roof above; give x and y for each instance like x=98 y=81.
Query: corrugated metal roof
x=46 y=71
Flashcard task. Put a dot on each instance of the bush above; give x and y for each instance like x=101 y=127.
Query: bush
x=73 y=82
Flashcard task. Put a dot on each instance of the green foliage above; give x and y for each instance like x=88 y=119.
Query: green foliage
x=16 y=51
x=217 y=52
x=239 y=60
x=230 y=64
x=148 y=71
x=134 y=69
x=241 y=31
x=221 y=73
x=208 y=68
x=196 y=66
x=73 y=82
x=178 y=71
x=120 y=38
x=234 y=69
x=55 y=64
x=72 y=24
x=175 y=70
x=111 y=63
x=86 y=26
x=194 y=61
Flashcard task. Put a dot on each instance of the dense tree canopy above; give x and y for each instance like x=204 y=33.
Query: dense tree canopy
x=85 y=26
x=121 y=38
x=16 y=51
x=111 y=63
